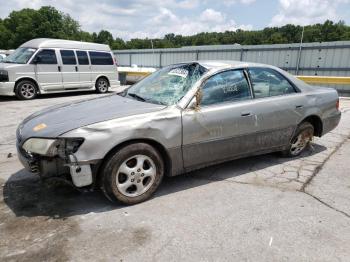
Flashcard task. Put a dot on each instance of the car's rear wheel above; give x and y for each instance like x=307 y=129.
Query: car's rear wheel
x=26 y=90
x=301 y=140
x=102 y=85
x=132 y=174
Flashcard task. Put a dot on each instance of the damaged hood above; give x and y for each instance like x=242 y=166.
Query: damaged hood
x=57 y=120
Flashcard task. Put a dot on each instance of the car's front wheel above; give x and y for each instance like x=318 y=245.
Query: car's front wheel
x=132 y=174
x=301 y=140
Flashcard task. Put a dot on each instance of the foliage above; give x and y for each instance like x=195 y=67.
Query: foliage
x=21 y=26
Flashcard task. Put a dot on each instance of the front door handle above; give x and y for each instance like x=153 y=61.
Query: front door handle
x=246 y=113
x=299 y=106
x=59 y=68
x=76 y=69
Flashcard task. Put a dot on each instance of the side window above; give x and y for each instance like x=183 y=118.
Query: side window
x=46 y=57
x=267 y=82
x=224 y=87
x=82 y=58
x=101 y=58
x=68 y=57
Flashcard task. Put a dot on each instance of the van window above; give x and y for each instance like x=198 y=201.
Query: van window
x=82 y=58
x=46 y=56
x=101 y=58
x=68 y=57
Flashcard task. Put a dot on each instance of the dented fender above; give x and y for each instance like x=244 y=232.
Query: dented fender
x=163 y=126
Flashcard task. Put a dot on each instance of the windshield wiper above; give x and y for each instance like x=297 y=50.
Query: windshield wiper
x=145 y=99
x=137 y=96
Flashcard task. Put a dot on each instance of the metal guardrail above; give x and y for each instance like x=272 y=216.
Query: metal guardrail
x=328 y=80
x=306 y=59
x=333 y=80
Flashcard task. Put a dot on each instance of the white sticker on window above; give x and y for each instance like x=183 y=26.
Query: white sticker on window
x=179 y=72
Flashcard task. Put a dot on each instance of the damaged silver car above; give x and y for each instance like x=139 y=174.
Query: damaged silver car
x=183 y=117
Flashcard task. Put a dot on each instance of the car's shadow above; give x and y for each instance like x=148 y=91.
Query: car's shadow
x=28 y=196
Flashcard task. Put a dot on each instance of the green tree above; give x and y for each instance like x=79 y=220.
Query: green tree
x=104 y=37
x=26 y=24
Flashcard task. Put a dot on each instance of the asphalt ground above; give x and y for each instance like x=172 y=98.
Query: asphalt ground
x=264 y=208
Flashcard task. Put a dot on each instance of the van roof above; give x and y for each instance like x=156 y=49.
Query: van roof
x=60 y=43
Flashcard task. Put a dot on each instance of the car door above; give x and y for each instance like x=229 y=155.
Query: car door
x=47 y=70
x=70 y=74
x=84 y=69
x=224 y=125
x=278 y=104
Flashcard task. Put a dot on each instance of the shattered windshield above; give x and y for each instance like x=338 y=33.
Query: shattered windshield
x=20 y=56
x=168 y=85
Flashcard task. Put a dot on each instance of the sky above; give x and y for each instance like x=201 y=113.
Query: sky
x=155 y=18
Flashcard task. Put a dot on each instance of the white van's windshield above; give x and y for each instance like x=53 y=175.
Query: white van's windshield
x=20 y=55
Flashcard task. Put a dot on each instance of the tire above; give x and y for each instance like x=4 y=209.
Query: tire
x=300 y=141
x=101 y=85
x=132 y=174
x=26 y=90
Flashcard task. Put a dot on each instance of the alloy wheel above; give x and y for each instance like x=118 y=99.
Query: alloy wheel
x=102 y=86
x=27 y=90
x=136 y=175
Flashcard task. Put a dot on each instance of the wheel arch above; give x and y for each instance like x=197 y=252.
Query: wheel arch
x=102 y=76
x=28 y=79
x=316 y=122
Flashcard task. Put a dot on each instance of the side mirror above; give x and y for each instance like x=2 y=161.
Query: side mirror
x=37 y=60
x=193 y=104
x=196 y=101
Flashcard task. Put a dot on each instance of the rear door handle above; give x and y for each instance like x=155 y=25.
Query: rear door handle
x=299 y=106
x=59 y=68
x=246 y=113
x=76 y=69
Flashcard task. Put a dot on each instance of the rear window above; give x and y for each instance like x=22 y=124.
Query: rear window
x=68 y=57
x=101 y=58
x=82 y=58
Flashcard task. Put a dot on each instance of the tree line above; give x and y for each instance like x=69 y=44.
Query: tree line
x=26 y=24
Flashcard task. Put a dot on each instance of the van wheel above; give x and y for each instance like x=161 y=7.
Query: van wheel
x=26 y=90
x=132 y=174
x=301 y=140
x=101 y=85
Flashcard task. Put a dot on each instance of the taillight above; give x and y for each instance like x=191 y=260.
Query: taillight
x=337 y=104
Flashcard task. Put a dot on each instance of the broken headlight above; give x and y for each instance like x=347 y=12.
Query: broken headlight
x=52 y=147
x=41 y=146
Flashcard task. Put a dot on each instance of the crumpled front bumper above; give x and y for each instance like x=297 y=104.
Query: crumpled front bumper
x=47 y=167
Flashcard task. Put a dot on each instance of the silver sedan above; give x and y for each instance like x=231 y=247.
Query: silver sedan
x=183 y=117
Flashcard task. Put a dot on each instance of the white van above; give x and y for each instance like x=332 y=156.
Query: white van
x=43 y=66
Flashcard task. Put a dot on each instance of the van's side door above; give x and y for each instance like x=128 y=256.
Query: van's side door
x=47 y=70
x=84 y=69
x=69 y=70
